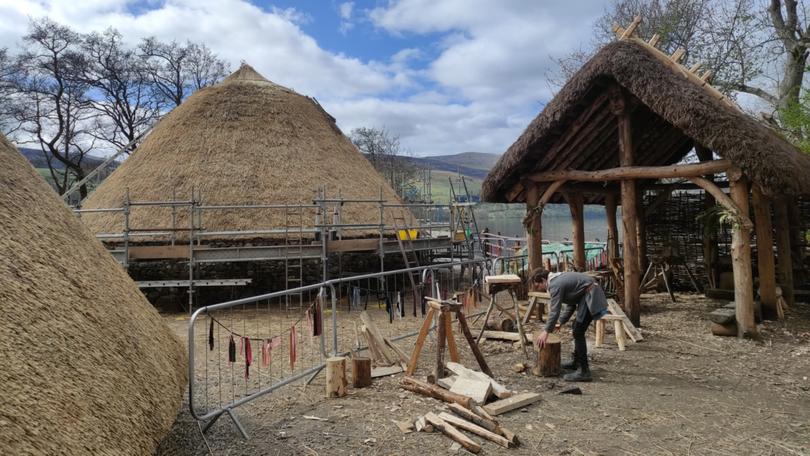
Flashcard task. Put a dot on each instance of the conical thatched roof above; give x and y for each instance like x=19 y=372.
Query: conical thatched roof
x=245 y=140
x=671 y=114
x=87 y=366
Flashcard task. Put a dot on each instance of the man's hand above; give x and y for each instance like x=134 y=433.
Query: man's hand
x=540 y=341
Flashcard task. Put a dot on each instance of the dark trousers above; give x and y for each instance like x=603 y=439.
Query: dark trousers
x=580 y=326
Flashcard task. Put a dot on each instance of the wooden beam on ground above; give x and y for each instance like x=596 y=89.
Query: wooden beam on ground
x=475 y=429
x=576 y=205
x=627 y=171
x=476 y=388
x=515 y=402
x=468 y=415
x=766 y=265
x=450 y=431
x=632 y=297
x=437 y=392
x=505 y=335
x=783 y=249
x=500 y=391
x=741 y=260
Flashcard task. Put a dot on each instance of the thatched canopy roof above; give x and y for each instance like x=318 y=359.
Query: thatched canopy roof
x=243 y=141
x=88 y=366
x=671 y=114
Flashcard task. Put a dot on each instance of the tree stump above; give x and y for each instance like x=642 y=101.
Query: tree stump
x=336 y=382
x=549 y=358
x=507 y=324
x=361 y=372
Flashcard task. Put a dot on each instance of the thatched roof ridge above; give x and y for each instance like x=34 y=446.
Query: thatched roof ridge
x=669 y=102
x=244 y=141
x=88 y=365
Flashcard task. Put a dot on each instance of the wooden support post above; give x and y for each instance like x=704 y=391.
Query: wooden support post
x=641 y=232
x=438 y=371
x=420 y=341
x=576 y=205
x=599 y=340
x=632 y=271
x=618 y=332
x=336 y=382
x=783 y=250
x=534 y=231
x=765 y=260
x=361 y=372
x=448 y=334
x=796 y=241
x=741 y=259
x=613 y=230
x=710 y=251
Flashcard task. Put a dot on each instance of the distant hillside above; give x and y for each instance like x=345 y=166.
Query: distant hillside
x=472 y=164
x=38 y=160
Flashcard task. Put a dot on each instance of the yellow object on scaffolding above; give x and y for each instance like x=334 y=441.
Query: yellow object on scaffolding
x=405 y=235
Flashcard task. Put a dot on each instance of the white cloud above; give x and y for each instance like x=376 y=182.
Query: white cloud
x=345 y=10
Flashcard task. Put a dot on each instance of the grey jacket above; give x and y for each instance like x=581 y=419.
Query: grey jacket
x=571 y=289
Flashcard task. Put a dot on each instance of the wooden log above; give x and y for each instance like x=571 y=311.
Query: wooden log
x=361 y=372
x=467 y=414
x=549 y=358
x=507 y=325
x=723 y=316
x=450 y=431
x=420 y=341
x=613 y=230
x=766 y=265
x=728 y=330
x=628 y=172
x=336 y=383
x=475 y=429
x=783 y=250
x=741 y=260
x=427 y=389
x=503 y=335
x=577 y=208
x=517 y=401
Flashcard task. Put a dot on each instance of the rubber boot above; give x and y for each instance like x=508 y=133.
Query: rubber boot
x=582 y=374
x=573 y=364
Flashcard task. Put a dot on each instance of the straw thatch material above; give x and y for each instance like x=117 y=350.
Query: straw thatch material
x=672 y=114
x=244 y=141
x=87 y=365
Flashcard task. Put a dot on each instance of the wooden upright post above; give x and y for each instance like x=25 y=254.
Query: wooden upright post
x=632 y=296
x=765 y=261
x=576 y=204
x=741 y=259
x=613 y=230
x=796 y=242
x=534 y=231
x=710 y=251
x=641 y=233
x=783 y=250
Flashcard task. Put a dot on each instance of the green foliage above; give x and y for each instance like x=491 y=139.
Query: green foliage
x=715 y=216
x=796 y=122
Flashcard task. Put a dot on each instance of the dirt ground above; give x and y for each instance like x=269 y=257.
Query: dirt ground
x=681 y=391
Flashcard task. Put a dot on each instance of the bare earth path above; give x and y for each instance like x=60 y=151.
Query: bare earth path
x=680 y=392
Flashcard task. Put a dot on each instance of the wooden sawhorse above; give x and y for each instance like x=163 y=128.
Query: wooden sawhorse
x=494 y=285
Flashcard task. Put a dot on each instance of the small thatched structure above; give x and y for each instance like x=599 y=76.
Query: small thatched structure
x=88 y=366
x=624 y=121
x=243 y=141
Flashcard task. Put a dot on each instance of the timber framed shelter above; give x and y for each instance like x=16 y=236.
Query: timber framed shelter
x=628 y=118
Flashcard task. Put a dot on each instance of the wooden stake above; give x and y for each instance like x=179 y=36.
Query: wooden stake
x=766 y=265
x=741 y=260
x=336 y=382
x=448 y=430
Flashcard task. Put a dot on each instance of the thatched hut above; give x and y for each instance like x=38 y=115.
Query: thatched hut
x=244 y=141
x=627 y=119
x=88 y=366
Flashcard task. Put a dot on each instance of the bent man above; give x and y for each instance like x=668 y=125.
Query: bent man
x=581 y=295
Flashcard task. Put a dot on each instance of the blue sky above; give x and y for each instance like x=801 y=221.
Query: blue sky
x=447 y=76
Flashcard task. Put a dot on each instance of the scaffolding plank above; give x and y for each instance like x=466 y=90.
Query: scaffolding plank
x=196 y=283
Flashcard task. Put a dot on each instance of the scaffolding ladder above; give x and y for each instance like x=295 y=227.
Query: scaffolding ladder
x=293 y=253
x=463 y=217
x=408 y=256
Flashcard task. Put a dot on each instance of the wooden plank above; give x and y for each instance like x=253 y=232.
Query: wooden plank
x=158 y=252
x=377 y=335
x=504 y=335
x=403 y=358
x=450 y=431
x=475 y=429
x=503 y=278
x=499 y=390
x=373 y=349
x=632 y=331
x=476 y=388
x=506 y=405
x=447 y=382
x=385 y=371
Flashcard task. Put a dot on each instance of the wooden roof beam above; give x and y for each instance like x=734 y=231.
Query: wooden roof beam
x=635 y=172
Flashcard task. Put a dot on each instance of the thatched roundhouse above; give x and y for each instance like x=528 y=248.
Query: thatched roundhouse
x=243 y=141
x=88 y=366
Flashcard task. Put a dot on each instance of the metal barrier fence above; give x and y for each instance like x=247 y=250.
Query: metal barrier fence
x=254 y=346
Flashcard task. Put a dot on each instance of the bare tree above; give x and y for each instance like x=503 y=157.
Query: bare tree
x=57 y=110
x=9 y=105
x=124 y=97
x=177 y=70
x=383 y=150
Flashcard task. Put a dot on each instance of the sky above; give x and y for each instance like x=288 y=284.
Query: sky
x=446 y=76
